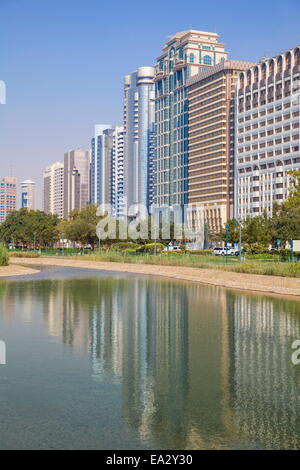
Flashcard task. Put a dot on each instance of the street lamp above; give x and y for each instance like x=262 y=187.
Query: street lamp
x=227 y=229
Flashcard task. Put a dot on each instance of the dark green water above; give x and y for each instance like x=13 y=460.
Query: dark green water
x=107 y=361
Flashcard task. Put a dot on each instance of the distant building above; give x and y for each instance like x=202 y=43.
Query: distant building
x=28 y=194
x=53 y=178
x=115 y=175
x=8 y=196
x=76 y=180
x=99 y=166
x=267 y=133
x=139 y=144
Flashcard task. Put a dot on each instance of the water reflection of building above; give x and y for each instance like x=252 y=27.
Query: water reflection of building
x=197 y=366
x=264 y=396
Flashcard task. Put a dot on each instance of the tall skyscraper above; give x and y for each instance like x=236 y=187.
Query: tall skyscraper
x=115 y=176
x=139 y=145
x=54 y=189
x=267 y=133
x=76 y=180
x=8 y=197
x=100 y=165
x=28 y=194
x=184 y=55
x=211 y=96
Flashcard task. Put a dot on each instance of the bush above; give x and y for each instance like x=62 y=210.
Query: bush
x=24 y=254
x=200 y=252
x=122 y=246
x=3 y=256
x=150 y=248
x=130 y=251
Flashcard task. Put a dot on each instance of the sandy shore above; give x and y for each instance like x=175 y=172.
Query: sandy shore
x=250 y=282
x=14 y=270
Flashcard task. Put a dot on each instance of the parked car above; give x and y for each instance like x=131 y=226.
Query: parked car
x=219 y=251
x=172 y=248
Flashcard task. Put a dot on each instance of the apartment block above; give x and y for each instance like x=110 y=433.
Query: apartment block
x=28 y=194
x=53 y=182
x=8 y=196
x=267 y=133
x=211 y=143
x=99 y=193
x=185 y=54
x=76 y=179
x=139 y=130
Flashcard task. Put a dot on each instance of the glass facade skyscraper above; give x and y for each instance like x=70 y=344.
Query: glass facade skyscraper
x=99 y=165
x=139 y=137
x=184 y=55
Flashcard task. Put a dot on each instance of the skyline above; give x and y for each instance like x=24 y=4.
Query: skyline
x=83 y=72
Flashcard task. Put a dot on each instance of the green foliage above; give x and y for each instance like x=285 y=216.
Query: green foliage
x=200 y=252
x=24 y=254
x=150 y=248
x=22 y=227
x=3 y=256
x=81 y=226
x=126 y=246
x=233 y=232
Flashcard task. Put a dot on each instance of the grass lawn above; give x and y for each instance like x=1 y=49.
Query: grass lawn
x=265 y=267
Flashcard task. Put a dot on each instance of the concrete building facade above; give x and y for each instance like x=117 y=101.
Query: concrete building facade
x=211 y=143
x=76 y=180
x=8 y=196
x=53 y=191
x=267 y=133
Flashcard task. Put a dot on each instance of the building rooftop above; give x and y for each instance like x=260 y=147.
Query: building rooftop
x=225 y=65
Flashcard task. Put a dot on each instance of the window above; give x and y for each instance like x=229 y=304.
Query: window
x=207 y=60
x=192 y=58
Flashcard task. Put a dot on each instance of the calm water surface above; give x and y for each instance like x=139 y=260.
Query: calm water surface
x=110 y=361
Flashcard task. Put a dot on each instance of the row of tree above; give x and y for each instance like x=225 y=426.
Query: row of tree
x=37 y=228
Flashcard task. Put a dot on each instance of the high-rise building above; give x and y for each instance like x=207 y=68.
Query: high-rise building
x=28 y=194
x=184 y=55
x=267 y=133
x=8 y=196
x=115 y=177
x=76 y=179
x=53 y=178
x=211 y=143
x=139 y=115
x=100 y=164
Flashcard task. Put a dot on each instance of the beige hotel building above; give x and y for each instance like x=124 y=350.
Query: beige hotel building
x=267 y=133
x=211 y=144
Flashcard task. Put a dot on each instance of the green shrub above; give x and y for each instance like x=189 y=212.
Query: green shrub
x=24 y=254
x=200 y=252
x=3 y=256
x=125 y=245
x=150 y=248
x=130 y=251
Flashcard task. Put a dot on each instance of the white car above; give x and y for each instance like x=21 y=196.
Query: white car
x=172 y=248
x=219 y=251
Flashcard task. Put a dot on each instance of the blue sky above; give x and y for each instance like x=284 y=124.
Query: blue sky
x=63 y=62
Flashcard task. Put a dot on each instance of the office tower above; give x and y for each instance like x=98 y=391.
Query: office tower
x=8 y=196
x=99 y=166
x=53 y=178
x=115 y=177
x=267 y=133
x=76 y=180
x=28 y=194
x=184 y=55
x=139 y=115
x=211 y=143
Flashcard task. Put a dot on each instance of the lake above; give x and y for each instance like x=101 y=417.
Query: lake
x=116 y=361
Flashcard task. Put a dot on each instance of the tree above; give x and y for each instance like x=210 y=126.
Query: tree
x=24 y=227
x=233 y=232
x=81 y=226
